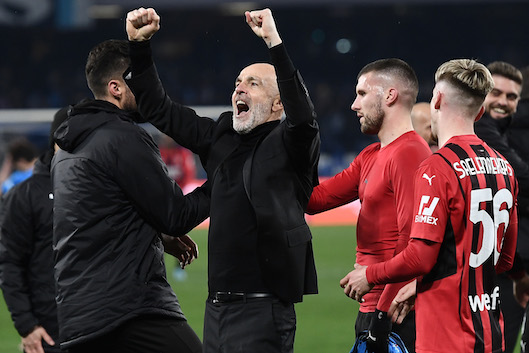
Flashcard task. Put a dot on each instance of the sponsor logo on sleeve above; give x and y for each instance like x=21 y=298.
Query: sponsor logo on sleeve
x=426 y=209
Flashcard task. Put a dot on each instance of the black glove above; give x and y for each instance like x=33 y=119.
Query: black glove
x=378 y=333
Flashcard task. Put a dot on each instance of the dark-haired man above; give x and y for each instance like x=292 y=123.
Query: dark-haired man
x=26 y=256
x=113 y=200
x=517 y=135
x=380 y=177
x=500 y=106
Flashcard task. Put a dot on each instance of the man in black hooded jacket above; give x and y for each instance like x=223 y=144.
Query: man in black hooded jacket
x=26 y=260
x=113 y=200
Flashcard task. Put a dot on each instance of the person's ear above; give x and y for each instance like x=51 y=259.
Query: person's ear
x=114 y=89
x=391 y=96
x=437 y=100
x=480 y=114
x=277 y=105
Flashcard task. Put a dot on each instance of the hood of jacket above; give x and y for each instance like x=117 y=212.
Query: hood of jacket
x=43 y=164
x=84 y=118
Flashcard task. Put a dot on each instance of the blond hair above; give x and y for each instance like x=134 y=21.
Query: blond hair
x=471 y=80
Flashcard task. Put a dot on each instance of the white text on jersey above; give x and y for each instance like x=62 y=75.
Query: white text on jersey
x=482 y=165
x=425 y=212
x=486 y=301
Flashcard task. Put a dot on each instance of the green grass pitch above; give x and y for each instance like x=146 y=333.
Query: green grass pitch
x=325 y=322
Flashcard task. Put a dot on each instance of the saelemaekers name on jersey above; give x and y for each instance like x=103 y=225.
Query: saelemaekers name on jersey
x=482 y=165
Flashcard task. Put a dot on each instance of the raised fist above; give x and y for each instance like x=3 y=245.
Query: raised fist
x=141 y=24
x=263 y=25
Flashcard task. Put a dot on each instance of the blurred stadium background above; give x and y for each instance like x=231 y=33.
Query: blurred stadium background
x=203 y=44
x=199 y=51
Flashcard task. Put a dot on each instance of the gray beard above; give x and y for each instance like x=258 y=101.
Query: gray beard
x=257 y=117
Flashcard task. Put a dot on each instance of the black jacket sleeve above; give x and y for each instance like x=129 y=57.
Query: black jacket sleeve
x=491 y=132
x=179 y=122
x=16 y=234
x=517 y=133
x=294 y=94
x=157 y=197
x=302 y=138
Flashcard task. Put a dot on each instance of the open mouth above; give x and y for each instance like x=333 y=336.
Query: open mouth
x=242 y=107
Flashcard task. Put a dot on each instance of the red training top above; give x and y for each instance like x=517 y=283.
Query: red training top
x=382 y=178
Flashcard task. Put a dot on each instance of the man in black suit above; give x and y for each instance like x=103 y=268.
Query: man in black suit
x=262 y=171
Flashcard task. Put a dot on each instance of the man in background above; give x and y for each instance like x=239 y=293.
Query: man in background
x=500 y=106
x=517 y=135
x=421 y=120
x=26 y=254
x=181 y=168
x=20 y=159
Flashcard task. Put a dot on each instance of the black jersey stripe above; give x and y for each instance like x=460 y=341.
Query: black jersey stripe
x=490 y=281
x=479 y=344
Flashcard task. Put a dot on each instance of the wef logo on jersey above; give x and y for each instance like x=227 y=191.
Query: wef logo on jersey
x=426 y=209
x=485 y=301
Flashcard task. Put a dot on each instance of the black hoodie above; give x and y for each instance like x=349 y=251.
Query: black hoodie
x=113 y=198
x=26 y=261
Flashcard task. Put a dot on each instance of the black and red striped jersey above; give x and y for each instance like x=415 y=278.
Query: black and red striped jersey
x=465 y=199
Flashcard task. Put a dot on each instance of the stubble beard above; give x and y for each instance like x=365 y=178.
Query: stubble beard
x=129 y=103
x=373 y=122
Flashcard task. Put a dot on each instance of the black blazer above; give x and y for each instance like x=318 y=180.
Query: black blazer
x=278 y=176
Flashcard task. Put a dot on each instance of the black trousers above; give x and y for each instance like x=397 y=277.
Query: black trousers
x=264 y=325
x=145 y=334
x=406 y=330
x=512 y=313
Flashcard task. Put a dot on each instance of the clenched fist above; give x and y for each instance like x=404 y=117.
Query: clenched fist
x=141 y=24
x=263 y=25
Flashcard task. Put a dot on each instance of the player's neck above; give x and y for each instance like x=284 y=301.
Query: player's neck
x=393 y=129
x=454 y=130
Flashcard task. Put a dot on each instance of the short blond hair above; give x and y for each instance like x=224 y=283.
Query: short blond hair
x=471 y=79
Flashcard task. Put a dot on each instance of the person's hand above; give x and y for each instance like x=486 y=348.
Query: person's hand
x=520 y=288
x=355 y=283
x=32 y=343
x=141 y=24
x=403 y=302
x=183 y=248
x=263 y=25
